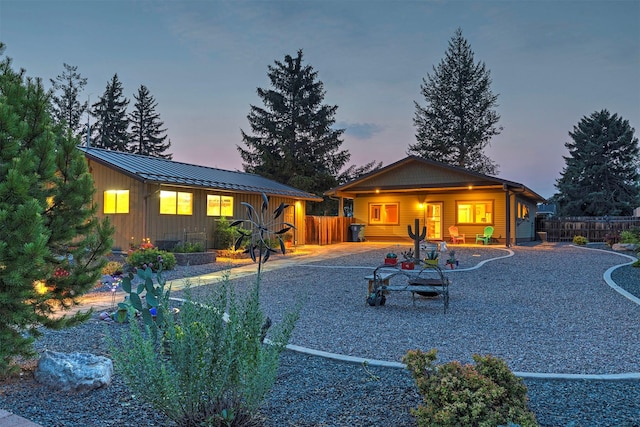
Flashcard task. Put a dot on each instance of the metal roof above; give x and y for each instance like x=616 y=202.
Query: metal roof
x=163 y=171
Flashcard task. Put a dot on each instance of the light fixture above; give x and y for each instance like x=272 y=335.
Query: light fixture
x=470 y=187
x=421 y=205
x=377 y=191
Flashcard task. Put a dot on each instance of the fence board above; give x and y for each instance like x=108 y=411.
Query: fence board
x=595 y=229
x=327 y=230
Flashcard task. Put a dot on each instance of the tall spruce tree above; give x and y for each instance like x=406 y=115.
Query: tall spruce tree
x=147 y=135
x=111 y=129
x=293 y=142
x=601 y=173
x=459 y=119
x=51 y=244
x=66 y=106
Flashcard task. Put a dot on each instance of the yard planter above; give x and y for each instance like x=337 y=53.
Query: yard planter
x=195 y=258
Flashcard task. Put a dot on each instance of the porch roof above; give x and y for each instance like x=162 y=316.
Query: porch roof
x=416 y=173
x=163 y=171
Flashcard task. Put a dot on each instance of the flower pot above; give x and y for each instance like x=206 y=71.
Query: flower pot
x=407 y=265
x=431 y=261
x=391 y=261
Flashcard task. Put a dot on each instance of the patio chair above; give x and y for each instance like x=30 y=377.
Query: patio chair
x=455 y=236
x=485 y=238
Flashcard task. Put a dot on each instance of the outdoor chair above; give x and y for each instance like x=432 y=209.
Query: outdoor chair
x=455 y=236
x=485 y=238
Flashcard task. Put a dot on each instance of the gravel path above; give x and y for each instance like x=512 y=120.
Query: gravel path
x=545 y=309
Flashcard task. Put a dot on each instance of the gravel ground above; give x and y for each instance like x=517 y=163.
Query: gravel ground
x=546 y=309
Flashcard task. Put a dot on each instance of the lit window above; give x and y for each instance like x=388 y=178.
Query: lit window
x=523 y=211
x=116 y=201
x=383 y=213
x=474 y=212
x=219 y=205
x=175 y=203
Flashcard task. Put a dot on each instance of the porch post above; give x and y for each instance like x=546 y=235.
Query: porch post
x=508 y=215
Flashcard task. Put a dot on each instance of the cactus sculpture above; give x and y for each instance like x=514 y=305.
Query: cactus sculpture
x=417 y=238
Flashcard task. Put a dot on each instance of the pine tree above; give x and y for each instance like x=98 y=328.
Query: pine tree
x=601 y=173
x=51 y=244
x=146 y=127
x=66 y=107
x=112 y=122
x=459 y=119
x=294 y=143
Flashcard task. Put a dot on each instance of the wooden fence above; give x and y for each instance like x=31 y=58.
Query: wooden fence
x=595 y=229
x=327 y=230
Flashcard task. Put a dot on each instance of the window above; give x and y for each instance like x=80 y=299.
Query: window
x=176 y=203
x=116 y=202
x=475 y=212
x=523 y=211
x=383 y=213
x=219 y=205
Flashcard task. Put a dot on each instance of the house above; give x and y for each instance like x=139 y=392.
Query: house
x=168 y=201
x=389 y=199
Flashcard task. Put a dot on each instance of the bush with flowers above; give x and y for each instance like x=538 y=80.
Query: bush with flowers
x=149 y=256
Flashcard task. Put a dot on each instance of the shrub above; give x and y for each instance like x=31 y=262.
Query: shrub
x=188 y=247
x=113 y=268
x=224 y=235
x=630 y=236
x=487 y=394
x=143 y=258
x=207 y=369
x=580 y=240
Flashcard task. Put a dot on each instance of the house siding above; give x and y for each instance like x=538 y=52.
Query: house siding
x=144 y=210
x=409 y=210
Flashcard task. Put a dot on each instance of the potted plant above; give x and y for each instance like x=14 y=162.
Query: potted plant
x=452 y=261
x=409 y=260
x=432 y=257
x=391 y=259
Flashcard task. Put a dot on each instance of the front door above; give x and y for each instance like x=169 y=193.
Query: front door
x=434 y=221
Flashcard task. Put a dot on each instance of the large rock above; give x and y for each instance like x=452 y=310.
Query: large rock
x=74 y=371
x=625 y=247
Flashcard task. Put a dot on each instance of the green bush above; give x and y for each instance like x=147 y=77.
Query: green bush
x=580 y=240
x=224 y=235
x=208 y=369
x=630 y=236
x=188 y=247
x=151 y=257
x=113 y=267
x=487 y=394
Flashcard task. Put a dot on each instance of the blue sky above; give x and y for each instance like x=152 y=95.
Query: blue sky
x=551 y=62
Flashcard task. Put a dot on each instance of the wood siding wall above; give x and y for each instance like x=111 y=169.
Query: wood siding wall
x=409 y=210
x=144 y=210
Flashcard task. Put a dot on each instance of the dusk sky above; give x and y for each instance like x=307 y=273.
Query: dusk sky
x=551 y=62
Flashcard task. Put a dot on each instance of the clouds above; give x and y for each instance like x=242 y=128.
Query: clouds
x=360 y=130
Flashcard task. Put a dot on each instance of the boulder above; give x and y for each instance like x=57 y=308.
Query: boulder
x=625 y=247
x=74 y=371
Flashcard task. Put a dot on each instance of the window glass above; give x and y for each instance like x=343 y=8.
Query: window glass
x=168 y=202
x=219 y=205
x=475 y=212
x=185 y=205
x=383 y=213
x=116 y=201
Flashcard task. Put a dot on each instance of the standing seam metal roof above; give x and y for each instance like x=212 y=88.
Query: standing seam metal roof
x=163 y=171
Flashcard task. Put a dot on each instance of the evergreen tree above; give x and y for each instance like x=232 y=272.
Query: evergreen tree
x=459 y=119
x=112 y=122
x=601 y=173
x=294 y=143
x=66 y=107
x=51 y=244
x=147 y=136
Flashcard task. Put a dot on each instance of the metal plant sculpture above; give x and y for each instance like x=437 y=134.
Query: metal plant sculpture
x=417 y=238
x=258 y=231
